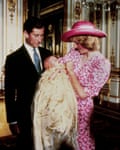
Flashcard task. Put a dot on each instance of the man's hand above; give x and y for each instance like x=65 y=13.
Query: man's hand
x=14 y=129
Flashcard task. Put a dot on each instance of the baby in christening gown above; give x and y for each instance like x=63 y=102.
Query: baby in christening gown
x=55 y=108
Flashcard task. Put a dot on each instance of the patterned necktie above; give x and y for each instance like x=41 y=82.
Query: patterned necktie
x=36 y=61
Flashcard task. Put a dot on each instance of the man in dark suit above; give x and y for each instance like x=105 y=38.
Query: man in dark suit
x=21 y=77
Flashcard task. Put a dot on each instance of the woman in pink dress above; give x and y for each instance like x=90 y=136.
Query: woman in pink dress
x=88 y=71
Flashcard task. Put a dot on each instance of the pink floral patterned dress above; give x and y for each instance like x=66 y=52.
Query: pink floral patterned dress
x=92 y=75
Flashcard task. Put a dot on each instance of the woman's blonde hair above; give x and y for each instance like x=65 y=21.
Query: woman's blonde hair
x=90 y=42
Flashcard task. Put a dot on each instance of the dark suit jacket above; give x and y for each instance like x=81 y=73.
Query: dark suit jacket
x=20 y=82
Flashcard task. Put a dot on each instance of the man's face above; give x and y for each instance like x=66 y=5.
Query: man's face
x=34 y=38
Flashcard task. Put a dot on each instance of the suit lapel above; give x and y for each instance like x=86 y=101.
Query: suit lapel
x=28 y=59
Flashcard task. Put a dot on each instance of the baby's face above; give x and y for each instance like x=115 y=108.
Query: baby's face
x=50 y=62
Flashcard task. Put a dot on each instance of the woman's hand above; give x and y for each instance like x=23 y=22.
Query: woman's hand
x=74 y=81
x=69 y=68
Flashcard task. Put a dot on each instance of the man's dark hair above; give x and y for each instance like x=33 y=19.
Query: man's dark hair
x=33 y=22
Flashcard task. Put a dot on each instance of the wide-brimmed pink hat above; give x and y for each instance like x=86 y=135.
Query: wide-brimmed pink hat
x=82 y=28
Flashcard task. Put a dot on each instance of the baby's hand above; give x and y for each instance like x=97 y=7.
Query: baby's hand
x=54 y=74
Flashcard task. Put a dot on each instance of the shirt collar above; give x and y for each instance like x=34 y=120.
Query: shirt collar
x=28 y=47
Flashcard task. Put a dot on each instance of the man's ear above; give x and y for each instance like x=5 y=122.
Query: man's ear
x=26 y=35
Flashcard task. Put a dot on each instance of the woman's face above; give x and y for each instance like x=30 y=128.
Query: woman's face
x=80 y=48
x=84 y=44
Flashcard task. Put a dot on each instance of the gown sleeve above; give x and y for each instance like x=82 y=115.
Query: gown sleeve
x=94 y=75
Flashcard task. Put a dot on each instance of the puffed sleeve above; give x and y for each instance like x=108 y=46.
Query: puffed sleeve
x=94 y=75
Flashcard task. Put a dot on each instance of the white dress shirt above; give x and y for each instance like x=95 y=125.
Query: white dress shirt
x=31 y=52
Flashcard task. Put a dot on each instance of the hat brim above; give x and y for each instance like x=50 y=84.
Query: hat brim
x=76 y=32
